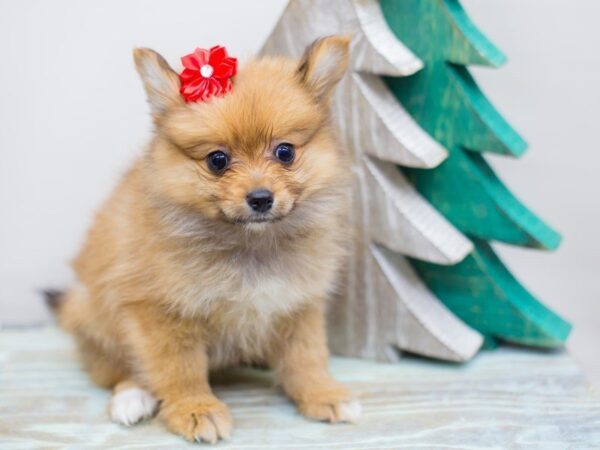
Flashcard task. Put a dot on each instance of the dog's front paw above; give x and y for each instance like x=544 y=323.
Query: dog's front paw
x=332 y=405
x=334 y=411
x=130 y=406
x=201 y=419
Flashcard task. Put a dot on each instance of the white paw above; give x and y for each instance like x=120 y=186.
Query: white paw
x=129 y=406
x=349 y=411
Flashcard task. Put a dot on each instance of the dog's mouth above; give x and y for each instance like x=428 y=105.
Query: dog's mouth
x=263 y=219
x=260 y=218
x=251 y=220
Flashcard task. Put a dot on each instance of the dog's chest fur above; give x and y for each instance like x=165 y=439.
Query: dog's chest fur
x=244 y=292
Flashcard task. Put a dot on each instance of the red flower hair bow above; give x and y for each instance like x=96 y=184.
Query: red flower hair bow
x=206 y=73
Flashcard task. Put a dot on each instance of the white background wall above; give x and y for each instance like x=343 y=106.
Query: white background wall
x=72 y=114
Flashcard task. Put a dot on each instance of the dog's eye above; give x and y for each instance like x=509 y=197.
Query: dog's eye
x=217 y=161
x=285 y=153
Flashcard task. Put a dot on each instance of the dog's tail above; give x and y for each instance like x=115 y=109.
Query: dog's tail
x=55 y=298
x=69 y=314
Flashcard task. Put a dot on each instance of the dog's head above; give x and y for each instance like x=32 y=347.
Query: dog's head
x=257 y=153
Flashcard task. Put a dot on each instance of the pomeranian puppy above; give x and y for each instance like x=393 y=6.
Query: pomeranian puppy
x=220 y=247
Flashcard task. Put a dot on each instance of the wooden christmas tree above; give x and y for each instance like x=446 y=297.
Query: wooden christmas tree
x=386 y=304
x=446 y=102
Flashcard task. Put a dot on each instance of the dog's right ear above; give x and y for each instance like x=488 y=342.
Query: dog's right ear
x=324 y=63
x=160 y=81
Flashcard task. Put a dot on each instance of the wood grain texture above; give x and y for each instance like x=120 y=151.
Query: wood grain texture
x=408 y=316
x=387 y=131
x=378 y=134
x=375 y=50
x=445 y=100
x=398 y=218
x=504 y=399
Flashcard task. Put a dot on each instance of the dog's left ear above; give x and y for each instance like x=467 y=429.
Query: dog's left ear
x=160 y=81
x=324 y=63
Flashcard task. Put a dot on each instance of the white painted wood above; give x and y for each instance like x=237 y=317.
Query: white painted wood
x=401 y=314
x=387 y=130
x=400 y=219
x=386 y=208
x=504 y=399
x=376 y=49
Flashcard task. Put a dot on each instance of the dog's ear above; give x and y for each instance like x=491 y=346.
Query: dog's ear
x=324 y=63
x=160 y=81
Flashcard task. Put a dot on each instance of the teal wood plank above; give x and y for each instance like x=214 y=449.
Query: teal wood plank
x=469 y=194
x=446 y=101
x=441 y=31
x=483 y=293
x=468 y=119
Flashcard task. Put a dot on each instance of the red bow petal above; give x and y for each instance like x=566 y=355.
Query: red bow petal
x=198 y=91
x=210 y=88
x=190 y=62
x=193 y=86
x=203 y=55
x=226 y=68
x=217 y=54
x=188 y=75
x=225 y=85
x=195 y=60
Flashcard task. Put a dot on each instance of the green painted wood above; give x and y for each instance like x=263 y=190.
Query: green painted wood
x=445 y=100
x=483 y=293
x=467 y=191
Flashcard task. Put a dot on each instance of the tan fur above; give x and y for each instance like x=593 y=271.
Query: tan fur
x=173 y=281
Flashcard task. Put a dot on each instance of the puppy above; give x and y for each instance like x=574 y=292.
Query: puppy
x=220 y=247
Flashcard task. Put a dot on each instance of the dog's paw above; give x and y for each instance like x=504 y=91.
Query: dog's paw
x=332 y=411
x=200 y=419
x=326 y=400
x=132 y=405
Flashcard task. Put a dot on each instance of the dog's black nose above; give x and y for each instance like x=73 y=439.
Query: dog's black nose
x=260 y=200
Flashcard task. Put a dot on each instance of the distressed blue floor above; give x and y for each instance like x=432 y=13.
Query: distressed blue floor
x=503 y=399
